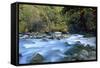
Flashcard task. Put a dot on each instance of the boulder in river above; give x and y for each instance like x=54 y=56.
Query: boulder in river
x=84 y=52
x=66 y=43
x=37 y=58
x=74 y=49
x=82 y=55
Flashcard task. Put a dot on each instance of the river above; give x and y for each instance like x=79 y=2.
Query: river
x=52 y=50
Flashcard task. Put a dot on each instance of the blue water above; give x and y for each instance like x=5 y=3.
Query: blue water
x=51 y=50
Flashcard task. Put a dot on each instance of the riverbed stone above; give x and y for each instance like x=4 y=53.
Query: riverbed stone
x=83 y=55
x=37 y=58
x=66 y=43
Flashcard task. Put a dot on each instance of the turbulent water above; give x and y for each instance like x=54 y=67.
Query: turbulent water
x=52 y=50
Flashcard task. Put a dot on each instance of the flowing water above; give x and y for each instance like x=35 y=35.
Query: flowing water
x=52 y=50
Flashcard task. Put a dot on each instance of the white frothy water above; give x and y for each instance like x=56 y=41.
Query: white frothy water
x=51 y=50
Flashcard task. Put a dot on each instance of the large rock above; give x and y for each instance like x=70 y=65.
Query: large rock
x=74 y=49
x=83 y=55
x=37 y=58
x=66 y=43
x=84 y=52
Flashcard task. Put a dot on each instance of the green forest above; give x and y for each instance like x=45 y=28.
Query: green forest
x=39 y=18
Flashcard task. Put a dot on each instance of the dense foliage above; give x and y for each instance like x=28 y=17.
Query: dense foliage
x=35 y=18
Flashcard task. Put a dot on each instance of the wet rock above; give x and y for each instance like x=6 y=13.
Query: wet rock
x=74 y=49
x=90 y=48
x=77 y=52
x=66 y=43
x=38 y=58
x=84 y=52
x=83 y=55
x=75 y=55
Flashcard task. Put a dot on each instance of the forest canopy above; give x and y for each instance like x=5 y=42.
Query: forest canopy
x=39 y=18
